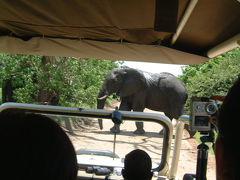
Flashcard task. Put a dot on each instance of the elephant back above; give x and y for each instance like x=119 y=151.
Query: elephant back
x=168 y=80
x=168 y=95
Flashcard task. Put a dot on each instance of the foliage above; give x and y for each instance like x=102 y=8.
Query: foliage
x=213 y=77
x=20 y=69
x=76 y=81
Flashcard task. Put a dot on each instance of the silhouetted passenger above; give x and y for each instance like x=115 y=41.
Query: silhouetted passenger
x=227 y=148
x=34 y=147
x=137 y=166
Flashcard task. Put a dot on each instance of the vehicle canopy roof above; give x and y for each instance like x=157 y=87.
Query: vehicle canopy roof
x=166 y=31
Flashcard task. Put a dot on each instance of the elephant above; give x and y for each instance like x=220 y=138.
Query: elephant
x=138 y=90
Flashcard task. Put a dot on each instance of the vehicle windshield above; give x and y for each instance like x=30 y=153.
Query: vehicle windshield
x=101 y=153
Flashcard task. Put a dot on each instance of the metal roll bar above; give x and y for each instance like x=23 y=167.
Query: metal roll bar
x=104 y=114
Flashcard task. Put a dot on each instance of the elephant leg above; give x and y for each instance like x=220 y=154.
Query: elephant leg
x=125 y=107
x=139 y=125
x=170 y=117
x=100 y=124
x=190 y=132
x=115 y=128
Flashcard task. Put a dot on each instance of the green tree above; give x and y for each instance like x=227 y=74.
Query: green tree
x=71 y=81
x=213 y=77
x=19 y=70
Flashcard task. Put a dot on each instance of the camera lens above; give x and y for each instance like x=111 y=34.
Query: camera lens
x=211 y=108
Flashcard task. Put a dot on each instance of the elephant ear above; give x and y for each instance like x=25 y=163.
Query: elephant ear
x=134 y=81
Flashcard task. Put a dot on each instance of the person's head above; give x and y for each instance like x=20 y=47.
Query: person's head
x=227 y=148
x=35 y=147
x=137 y=165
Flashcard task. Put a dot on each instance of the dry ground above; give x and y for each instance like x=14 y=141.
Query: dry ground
x=89 y=136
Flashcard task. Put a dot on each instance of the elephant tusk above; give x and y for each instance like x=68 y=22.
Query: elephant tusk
x=103 y=97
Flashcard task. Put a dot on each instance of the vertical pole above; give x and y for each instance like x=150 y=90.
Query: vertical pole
x=202 y=162
x=176 y=151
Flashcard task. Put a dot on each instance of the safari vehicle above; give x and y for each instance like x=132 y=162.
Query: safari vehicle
x=164 y=31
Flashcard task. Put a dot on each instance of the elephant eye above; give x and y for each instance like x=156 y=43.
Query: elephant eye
x=111 y=82
x=114 y=81
x=118 y=76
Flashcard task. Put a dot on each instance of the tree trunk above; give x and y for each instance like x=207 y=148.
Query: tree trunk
x=8 y=91
x=47 y=96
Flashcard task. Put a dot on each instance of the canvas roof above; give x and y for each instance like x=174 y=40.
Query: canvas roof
x=167 y=31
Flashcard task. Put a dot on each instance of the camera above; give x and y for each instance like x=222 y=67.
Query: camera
x=202 y=109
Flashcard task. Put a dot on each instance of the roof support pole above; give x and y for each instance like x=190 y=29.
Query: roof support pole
x=177 y=147
x=184 y=19
x=224 y=46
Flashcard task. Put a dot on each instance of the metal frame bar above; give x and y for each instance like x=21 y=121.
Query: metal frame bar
x=184 y=20
x=105 y=114
x=224 y=46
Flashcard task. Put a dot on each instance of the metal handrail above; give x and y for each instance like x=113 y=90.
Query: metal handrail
x=105 y=114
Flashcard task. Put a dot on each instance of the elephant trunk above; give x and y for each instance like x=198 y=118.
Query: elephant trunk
x=102 y=97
